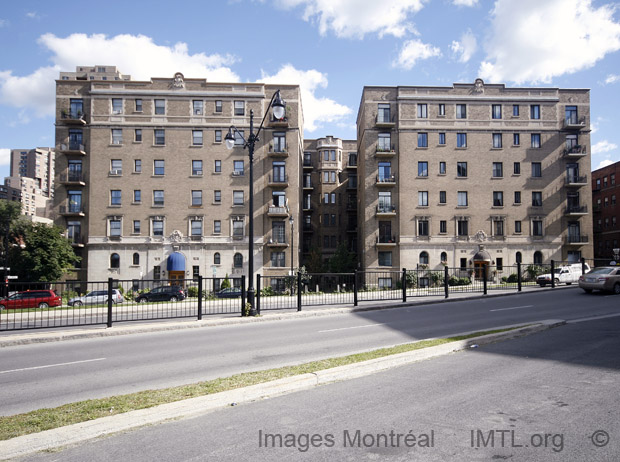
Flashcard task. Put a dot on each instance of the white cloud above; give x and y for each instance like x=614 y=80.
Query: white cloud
x=604 y=163
x=356 y=18
x=5 y=157
x=135 y=55
x=414 y=50
x=466 y=47
x=317 y=111
x=603 y=146
x=534 y=41
x=465 y=2
x=3 y=22
x=33 y=15
x=612 y=78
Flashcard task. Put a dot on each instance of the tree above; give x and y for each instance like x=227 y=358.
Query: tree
x=343 y=261
x=9 y=214
x=315 y=262
x=225 y=283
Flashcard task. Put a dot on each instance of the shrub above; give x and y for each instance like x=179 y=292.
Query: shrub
x=267 y=292
x=225 y=283
x=514 y=277
x=454 y=281
x=192 y=291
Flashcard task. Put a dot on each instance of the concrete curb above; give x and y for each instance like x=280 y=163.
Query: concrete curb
x=16 y=339
x=78 y=433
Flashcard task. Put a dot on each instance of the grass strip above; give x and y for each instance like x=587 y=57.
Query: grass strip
x=82 y=411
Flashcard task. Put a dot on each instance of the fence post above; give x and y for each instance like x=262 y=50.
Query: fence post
x=445 y=281
x=199 y=297
x=404 y=284
x=355 y=288
x=583 y=266
x=243 y=295
x=110 y=281
x=484 y=278
x=552 y=274
x=298 y=291
x=258 y=279
x=519 y=276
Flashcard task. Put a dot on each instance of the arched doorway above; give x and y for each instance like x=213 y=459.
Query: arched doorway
x=176 y=268
x=482 y=258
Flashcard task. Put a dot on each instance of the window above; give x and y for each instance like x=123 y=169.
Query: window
x=463 y=264
x=138 y=105
x=137 y=137
x=158 y=197
x=238 y=168
x=536 y=199
x=117 y=106
x=217 y=259
x=498 y=169
x=217 y=227
x=115 y=197
x=159 y=167
x=385 y=202
x=518 y=226
x=383 y=144
x=517 y=197
x=333 y=198
x=160 y=137
x=442 y=197
x=383 y=115
x=117 y=136
x=160 y=106
x=136 y=259
x=443 y=227
x=536 y=169
x=461 y=169
x=461 y=111
x=197 y=107
x=237 y=197
x=239 y=138
x=612 y=178
x=424 y=258
x=279 y=142
x=136 y=227
x=423 y=198
x=157 y=272
x=535 y=111
x=422 y=227
x=238 y=260
x=422 y=111
x=570 y=113
x=158 y=227
x=115 y=261
x=137 y=166
x=516 y=169
x=385 y=283
x=385 y=172
x=461 y=140
x=537 y=229
x=115 y=227
x=197 y=137
x=116 y=167
x=516 y=139
x=196 y=198
x=137 y=196
x=515 y=110
x=75 y=201
x=196 y=167
x=462 y=198
x=196 y=227
x=442 y=110
x=442 y=168
x=442 y=138
x=278 y=259
x=496 y=111
x=462 y=228
x=498 y=199
x=218 y=136
x=422 y=168
x=422 y=140
x=497 y=140
x=535 y=140
x=218 y=106
x=217 y=167
x=239 y=108
x=385 y=258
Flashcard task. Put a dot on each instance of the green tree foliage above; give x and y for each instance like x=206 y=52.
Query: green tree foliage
x=343 y=261
x=225 y=283
x=315 y=262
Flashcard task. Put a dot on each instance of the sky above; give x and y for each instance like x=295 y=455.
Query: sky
x=331 y=48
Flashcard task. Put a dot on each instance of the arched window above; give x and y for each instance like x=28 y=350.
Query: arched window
x=444 y=257
x=519 y=258
x=423 y=258
x=115 y=261
x=238 y=260
x=538 y=257
x=216 y=258
x=136 y=258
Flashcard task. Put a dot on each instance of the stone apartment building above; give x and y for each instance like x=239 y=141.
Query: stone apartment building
x=606 y=211
x=147 y=188
x=473 y=174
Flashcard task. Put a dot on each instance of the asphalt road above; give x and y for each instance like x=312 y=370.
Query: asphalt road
x=550 y=396
x=46 y=375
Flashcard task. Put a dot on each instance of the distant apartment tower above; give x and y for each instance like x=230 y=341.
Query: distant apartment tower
x=37 y=163
x=147 y=189
x=605 y=195
x=473 y=174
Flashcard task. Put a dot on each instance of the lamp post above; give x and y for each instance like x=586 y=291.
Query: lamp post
x=291 y=220
x=279 y=109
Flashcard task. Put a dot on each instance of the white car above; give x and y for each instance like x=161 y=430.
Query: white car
x=97 y=297
x=563 y=275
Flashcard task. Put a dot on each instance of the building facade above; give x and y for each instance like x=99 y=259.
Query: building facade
x=38 y=164
x=445 y=172
x=606 y=211
x=147 y=188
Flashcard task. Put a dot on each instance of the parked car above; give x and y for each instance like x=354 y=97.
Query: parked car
x=31 y=299
x=566 y=274
x=229 y=292
x=164 y=293
x=605 y=278
x=97 y=297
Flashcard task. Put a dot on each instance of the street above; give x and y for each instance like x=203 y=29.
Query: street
x=62 y=372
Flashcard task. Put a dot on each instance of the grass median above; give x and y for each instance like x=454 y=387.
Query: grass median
x=82 y=411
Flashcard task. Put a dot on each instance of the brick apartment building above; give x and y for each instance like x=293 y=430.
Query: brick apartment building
x=606 y=211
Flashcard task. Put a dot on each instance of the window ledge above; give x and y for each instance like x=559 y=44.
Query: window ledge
x=157 y=206
x=196 y=176
x=421 y=177
x=462 y=206
x=216 y=203
x=497 y=207
x=462 y=148
x=195 y=146
x=115 y=145
x=136 y=203
x=422 y=147
x=159 y=145
x=136 y=173
x=496 y=149
x=114 y=206
x=497 y=178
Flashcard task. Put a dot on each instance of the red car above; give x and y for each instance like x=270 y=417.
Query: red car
x=31 y=299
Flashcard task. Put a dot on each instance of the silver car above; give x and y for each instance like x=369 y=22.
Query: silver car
x=605 y=278
x=97 y=297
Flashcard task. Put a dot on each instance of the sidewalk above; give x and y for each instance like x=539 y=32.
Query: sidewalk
x=13 y=338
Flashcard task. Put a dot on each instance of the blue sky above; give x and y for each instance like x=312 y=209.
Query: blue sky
x=332 y=48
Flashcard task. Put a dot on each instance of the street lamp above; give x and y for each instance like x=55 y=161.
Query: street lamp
x=291 y=220
x=279 y=109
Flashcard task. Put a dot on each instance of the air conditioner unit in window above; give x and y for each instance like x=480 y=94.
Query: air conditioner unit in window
x=116 y=172
x=237 y=173
x=198 y=112
x=198 y=172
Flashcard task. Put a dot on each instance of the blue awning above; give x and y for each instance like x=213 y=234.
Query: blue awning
x=176 y=262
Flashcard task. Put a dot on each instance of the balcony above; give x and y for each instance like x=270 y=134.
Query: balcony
x=308 y=185
x=279 y=242
x=576 y=210
x=575 y=152
x=385 y=241
x=73 y=148
x=307 y=164
x=386 y=210
x=381 y=121
x=308 y=228
x=352 y=229
x=278 y=181
x=72 y=210
x=385 y=152
x=278 y=151
x=576 y=240
x=281 y=123
x=574 y=123
x=277 y=211
x=352 y=164
x=386 y=180
x=352 y=185
x=72 y=117
x=76 y=240
x=351 y=206
x=73 y=178
x=576 y=181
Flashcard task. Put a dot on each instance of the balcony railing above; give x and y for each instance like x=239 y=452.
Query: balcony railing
x=308 y=228
x=72 y=177
x=385 y=239
x=71 y=209
x=308 y=185
x=277 y=210
x=386 y=208
x=386 y=179
x=576 y=210
x=283 y=122
x=576 y=180
x=381 y=120
x=574 y=239
x=73 y=147
x=278 y=180
x=575 y=151
x=575 y=122
x=307 y=163
x=385 y=151
x=73 y=117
